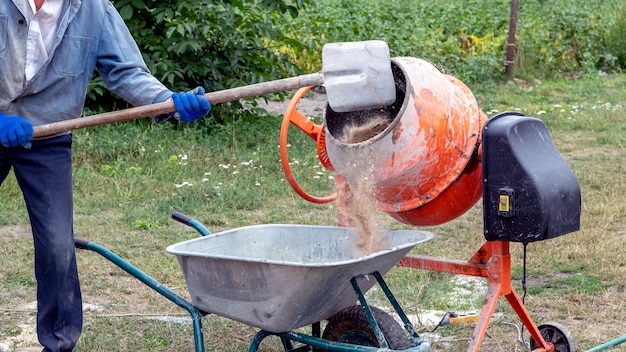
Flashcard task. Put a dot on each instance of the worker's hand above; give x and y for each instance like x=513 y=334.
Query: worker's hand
x=15 y=131
x=192 y=105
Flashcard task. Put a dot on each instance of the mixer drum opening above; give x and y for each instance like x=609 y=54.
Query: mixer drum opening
x=416 y=159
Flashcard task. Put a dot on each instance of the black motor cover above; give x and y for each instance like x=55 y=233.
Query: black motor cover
x=529 y=192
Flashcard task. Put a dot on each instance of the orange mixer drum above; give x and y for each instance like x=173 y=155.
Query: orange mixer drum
x=416 y=159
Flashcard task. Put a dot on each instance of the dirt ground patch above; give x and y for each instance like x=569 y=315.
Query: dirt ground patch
x=14 y=231
x=312 y=105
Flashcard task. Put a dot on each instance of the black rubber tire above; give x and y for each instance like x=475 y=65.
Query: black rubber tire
x=558 y=335
x=351 y=326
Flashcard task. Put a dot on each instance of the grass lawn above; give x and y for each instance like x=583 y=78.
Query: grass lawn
x=130 y=177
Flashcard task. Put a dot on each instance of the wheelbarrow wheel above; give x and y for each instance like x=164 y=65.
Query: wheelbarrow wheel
x=556 y=334
x=351 y=326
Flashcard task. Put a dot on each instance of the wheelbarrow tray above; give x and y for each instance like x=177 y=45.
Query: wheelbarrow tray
x=281 y=277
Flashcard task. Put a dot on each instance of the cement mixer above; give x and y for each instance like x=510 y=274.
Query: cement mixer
x=429 y=157
x=419 y=157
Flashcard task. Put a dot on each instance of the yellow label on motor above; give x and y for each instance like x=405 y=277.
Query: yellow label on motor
x=504 y=204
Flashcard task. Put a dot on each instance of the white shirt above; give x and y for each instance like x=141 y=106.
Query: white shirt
x=42 y=26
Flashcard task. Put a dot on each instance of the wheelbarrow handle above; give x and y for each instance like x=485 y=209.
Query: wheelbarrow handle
x=184 y=219
x=81 y=243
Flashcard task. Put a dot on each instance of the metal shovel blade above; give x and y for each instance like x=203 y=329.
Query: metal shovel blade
x=357 y=75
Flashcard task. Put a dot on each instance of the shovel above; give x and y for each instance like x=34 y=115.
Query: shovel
x=356 y=75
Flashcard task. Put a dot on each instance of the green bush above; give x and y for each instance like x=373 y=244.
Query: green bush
x=213 y=43
x=468 y=38
x=617 y=36
x=457 y=36
x=222 y=45
x=569 y=38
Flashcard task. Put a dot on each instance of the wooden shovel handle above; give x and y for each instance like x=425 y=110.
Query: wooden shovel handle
x=218 y=97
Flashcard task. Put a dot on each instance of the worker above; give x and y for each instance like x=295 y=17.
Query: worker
x=48 y=52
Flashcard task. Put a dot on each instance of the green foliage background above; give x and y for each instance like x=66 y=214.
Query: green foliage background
x=225 y=44
x=468 y=38
x=213 y=43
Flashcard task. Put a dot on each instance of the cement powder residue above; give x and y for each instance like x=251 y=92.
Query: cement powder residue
x=360 y=210
x=358 y=134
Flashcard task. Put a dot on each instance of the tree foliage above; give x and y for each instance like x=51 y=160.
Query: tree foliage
x=213 y=43
x=468 y=38
x=223 y=44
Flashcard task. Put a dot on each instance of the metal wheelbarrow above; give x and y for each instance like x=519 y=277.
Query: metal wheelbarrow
x=279 y=278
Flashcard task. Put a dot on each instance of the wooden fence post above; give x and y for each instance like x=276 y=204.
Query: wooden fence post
x=510 y=47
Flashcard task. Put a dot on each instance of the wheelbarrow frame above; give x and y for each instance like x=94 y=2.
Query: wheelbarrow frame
x=195 y=313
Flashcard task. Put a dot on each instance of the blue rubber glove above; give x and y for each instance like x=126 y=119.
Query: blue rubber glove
x=192 y=105
x=15 y=131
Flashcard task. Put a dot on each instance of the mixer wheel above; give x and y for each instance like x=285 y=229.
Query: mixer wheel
x=351 y=326
x=556 y=334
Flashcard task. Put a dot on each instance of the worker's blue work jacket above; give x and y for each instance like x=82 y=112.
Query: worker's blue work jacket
x=91 y=34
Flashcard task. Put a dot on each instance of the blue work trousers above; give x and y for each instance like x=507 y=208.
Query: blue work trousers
x=44 y=174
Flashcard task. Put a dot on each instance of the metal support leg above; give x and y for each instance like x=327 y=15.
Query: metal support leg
x=493 y=262
x=368 y=313
x=408 y=326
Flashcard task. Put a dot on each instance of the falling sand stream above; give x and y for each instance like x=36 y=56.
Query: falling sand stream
x=360 y=210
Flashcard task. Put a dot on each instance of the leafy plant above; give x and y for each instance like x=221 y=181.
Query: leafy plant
x=617 y=36
x=468 y=38
x=216 y=44
x=222 y=45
